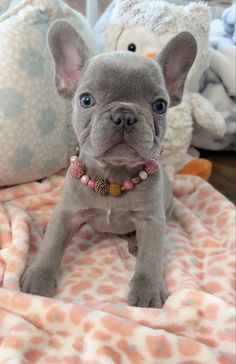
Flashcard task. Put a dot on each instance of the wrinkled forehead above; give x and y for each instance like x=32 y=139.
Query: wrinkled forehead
x=123 y=75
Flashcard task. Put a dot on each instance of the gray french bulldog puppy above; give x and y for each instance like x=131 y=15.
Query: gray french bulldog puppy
x=119 y=116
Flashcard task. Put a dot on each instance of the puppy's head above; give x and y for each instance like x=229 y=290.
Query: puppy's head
x=120 y=99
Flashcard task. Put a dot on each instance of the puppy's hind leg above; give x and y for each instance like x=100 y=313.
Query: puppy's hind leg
x=132 y=243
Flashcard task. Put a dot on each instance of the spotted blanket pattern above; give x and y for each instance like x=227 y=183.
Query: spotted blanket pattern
x=89 y=321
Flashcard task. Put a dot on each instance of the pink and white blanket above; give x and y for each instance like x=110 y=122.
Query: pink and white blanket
x=89 y=321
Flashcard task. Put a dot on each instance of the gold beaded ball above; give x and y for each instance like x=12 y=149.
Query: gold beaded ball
x=114 y=189
x=101 y=186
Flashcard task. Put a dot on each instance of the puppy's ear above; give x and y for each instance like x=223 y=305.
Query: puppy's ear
x=69 y=53
x=176 y=59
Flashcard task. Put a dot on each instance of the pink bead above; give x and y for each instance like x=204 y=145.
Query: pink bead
x=75 y=170
x=84 y=179
x=74 y=159
x=151 y=166
x=143 y=175
x=128 y=185
x=91 y=184
x=156 y=158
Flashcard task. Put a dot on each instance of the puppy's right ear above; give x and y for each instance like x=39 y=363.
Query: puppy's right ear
x=69 y=53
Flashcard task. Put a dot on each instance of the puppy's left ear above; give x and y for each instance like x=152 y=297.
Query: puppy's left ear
x=69 y=53
x=176 y=59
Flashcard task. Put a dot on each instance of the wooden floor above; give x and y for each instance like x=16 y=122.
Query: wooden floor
x=223 y=176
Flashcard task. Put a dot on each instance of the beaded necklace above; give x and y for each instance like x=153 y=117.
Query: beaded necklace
x=103 y=186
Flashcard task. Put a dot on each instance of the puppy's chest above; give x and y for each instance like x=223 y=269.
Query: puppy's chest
x=115 y=215
x=109 y=214
x=111 y=221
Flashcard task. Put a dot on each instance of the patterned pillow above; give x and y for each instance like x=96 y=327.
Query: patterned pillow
x=36 y=135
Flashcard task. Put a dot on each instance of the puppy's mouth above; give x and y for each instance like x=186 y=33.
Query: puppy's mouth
x=107 y=143
x=121 y=154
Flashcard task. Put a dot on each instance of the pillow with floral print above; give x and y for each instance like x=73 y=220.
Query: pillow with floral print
x=36 y=134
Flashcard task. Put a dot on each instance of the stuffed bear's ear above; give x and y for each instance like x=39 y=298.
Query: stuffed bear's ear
x=176 y=59
x=126 y=9
x=69 y=53
x=129 y=3
x=198 y=15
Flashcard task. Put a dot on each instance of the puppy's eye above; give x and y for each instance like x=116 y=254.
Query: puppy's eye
x=159 y=106
x=132 y=47
x=87 y=101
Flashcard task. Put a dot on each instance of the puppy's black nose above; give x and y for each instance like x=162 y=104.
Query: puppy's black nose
x=124 y=120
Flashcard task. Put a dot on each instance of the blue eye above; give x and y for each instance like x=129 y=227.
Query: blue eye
x=87 y=101
x=159 y=106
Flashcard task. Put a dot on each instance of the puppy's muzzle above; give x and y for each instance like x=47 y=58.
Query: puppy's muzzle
x=124 y=119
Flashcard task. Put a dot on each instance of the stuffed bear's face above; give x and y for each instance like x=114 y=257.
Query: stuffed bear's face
x=142 y=41
x=148 y=25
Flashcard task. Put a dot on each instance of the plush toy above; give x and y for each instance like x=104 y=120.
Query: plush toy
x=218 y=84
x=145 y=26
x=229 y=21
x=180 y=129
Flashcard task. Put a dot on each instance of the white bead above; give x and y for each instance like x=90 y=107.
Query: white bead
x=74 y=159
x=84 y=179
x=143 y=175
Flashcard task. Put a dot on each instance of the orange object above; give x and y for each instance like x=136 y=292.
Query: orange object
x=198 y=167
x=114 y=189
x=151 y=55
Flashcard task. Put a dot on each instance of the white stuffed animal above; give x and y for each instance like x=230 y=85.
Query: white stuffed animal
x=180 y=129
x=145 y=26
x=218 y=84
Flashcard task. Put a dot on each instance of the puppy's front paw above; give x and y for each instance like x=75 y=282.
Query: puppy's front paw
x=144 y=294
x=39 y=281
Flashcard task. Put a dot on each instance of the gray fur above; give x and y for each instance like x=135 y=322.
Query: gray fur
x=123 y=83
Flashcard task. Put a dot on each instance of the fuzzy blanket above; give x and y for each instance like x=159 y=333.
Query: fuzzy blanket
x=89 y=320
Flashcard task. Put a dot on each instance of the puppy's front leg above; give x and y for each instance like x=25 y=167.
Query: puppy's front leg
x=40 y=277
x=147 y=286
